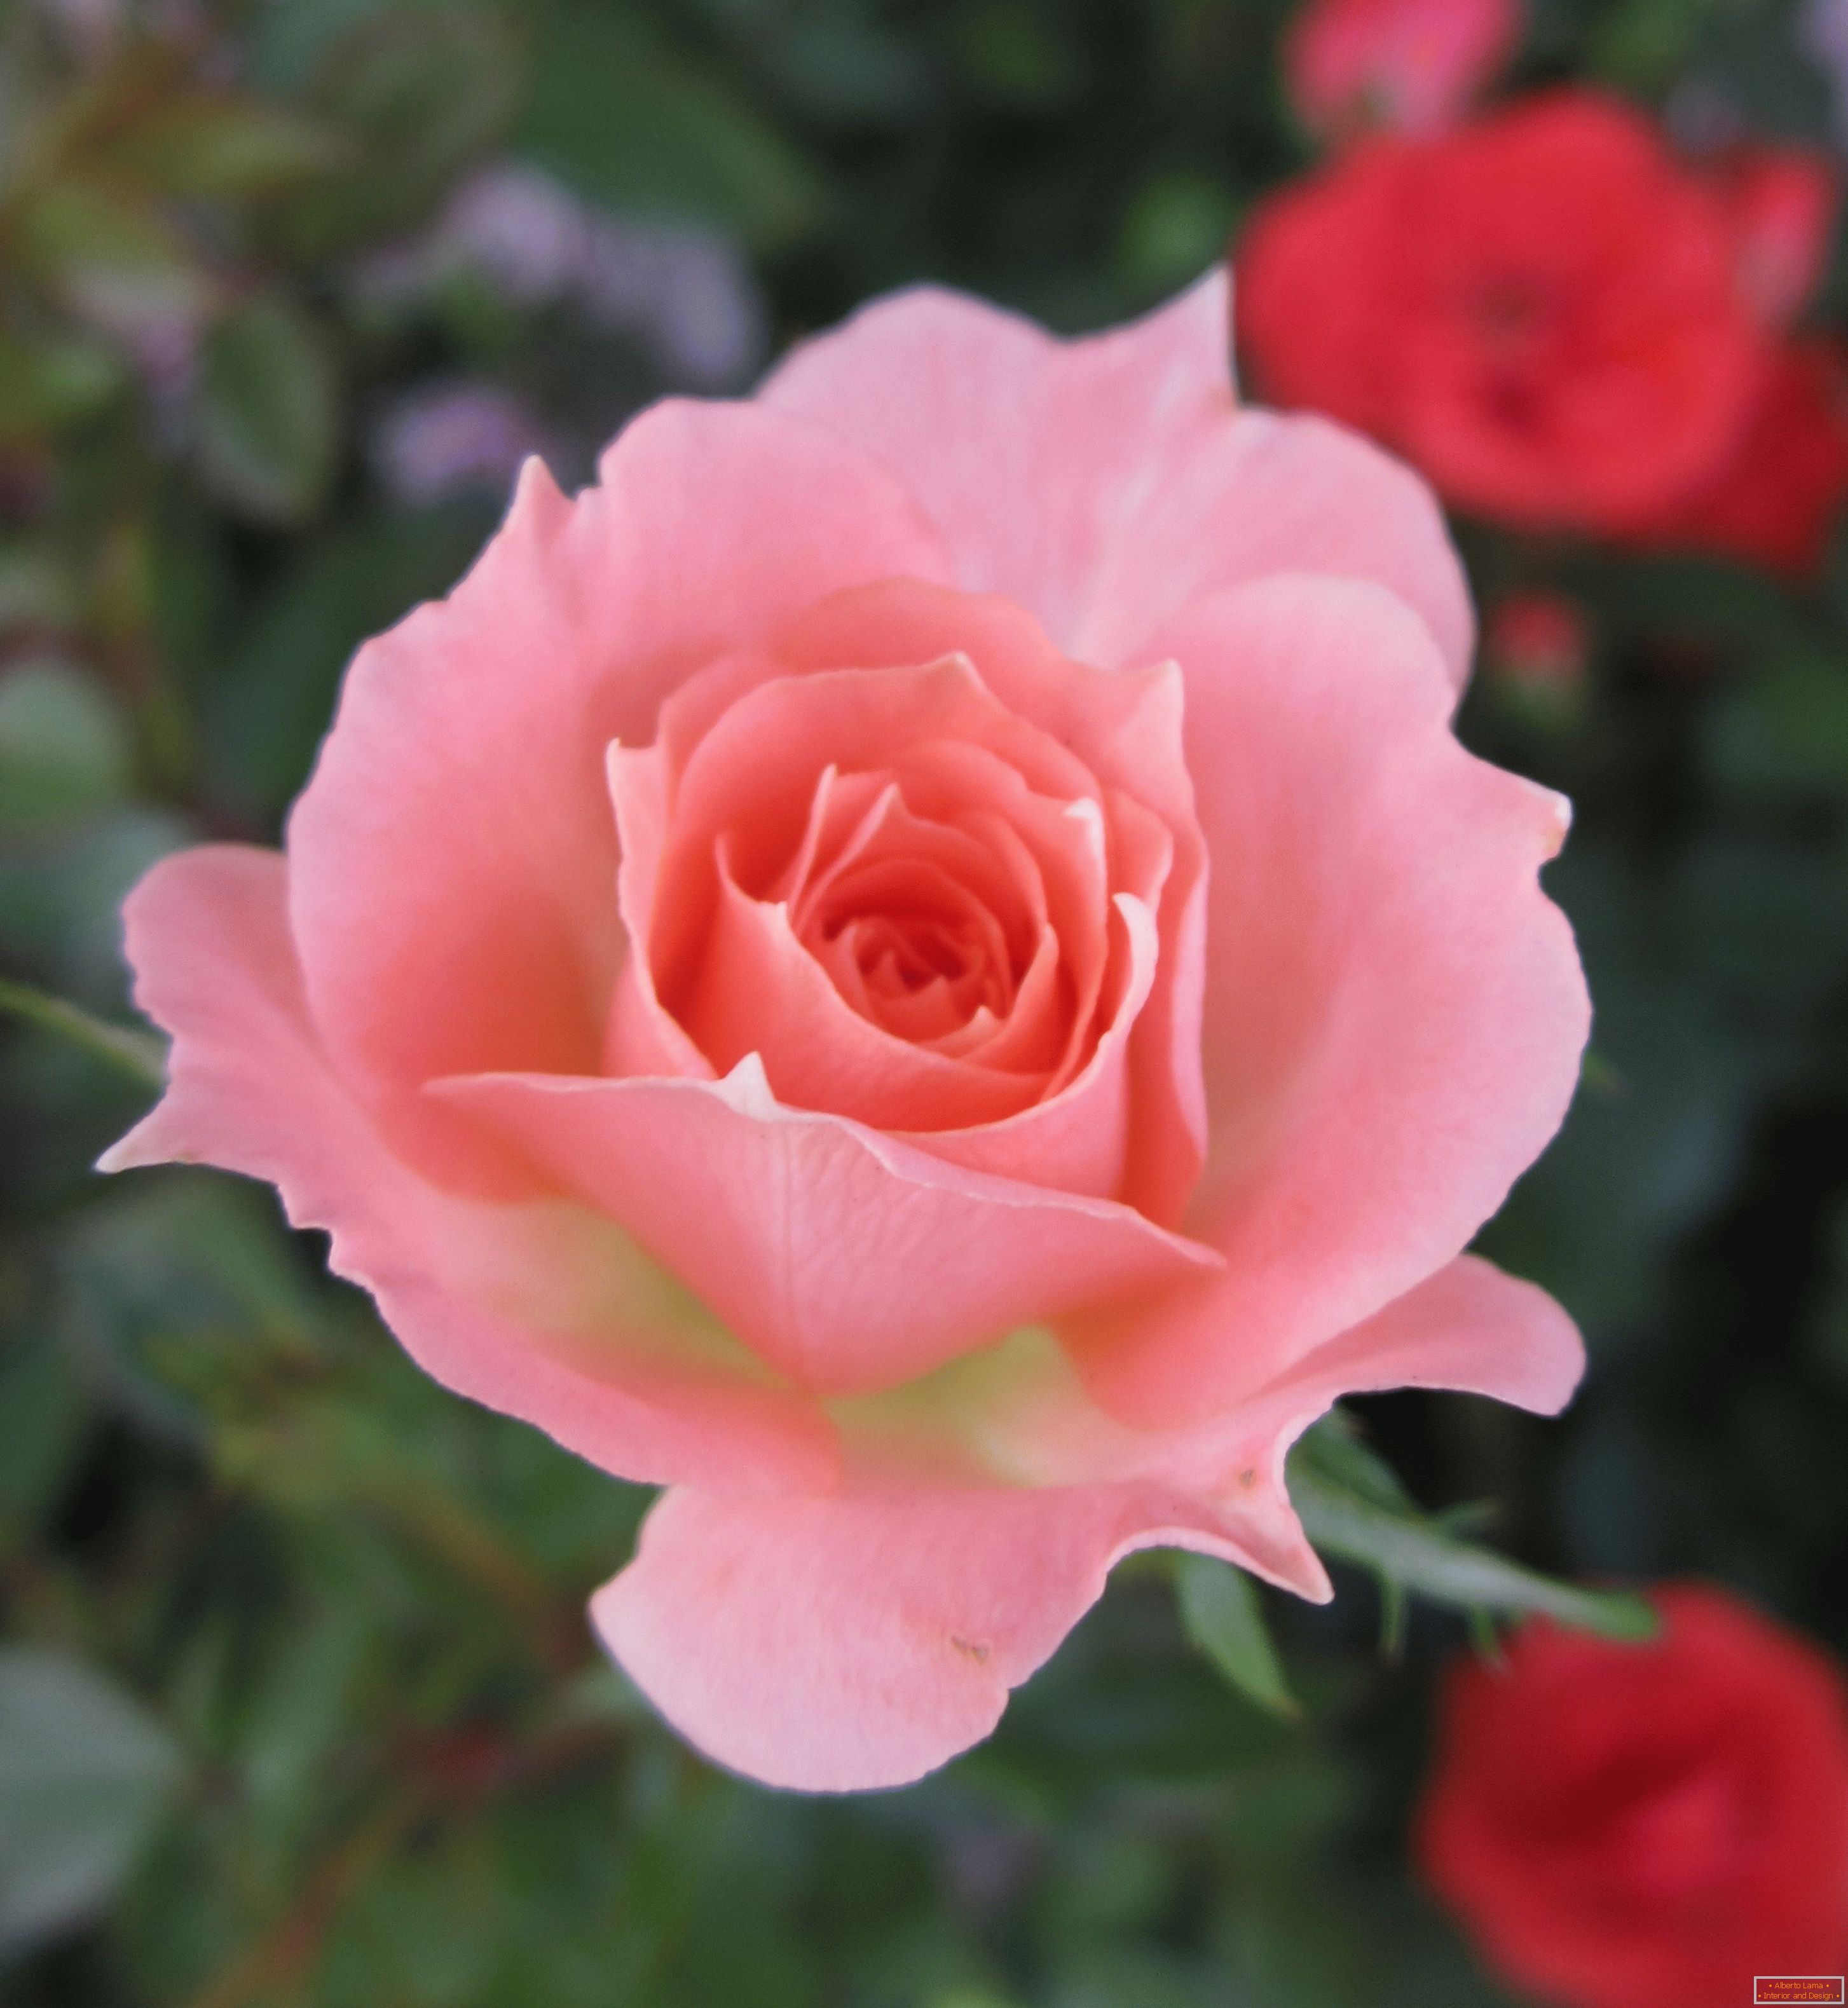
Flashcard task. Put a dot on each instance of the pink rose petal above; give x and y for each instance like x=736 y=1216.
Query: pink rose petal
x=1394 y=1011
x=1127 y=728
x=839 y=1645
x=760 y=991
x=848 y=1260
x=978 y=1074
x=1103 y=483
x=452 y=858
x=861 y=1640
x=540 y=1309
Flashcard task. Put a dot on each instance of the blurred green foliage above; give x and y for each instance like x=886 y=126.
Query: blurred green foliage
x=301 y=1708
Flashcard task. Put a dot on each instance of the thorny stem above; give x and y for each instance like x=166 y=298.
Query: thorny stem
x=288 y=1948
x=450 y=1772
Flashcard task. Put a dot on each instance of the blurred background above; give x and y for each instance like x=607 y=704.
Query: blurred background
x=298 y=1706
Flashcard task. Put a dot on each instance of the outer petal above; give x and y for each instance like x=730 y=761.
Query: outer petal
x=1265 y=494
x=1023 y=449
x=847 y=1259
x=1783 y=201
x=859 y=1641
x=840 y=1645
x=1104 y=482
x=540 y=1309
x=1471 y=1327
x=1019 y=1414
x=1394 y=1011
x=453 y=858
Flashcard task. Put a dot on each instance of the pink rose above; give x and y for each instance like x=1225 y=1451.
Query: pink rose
x=922 y=967
x=1408 y=65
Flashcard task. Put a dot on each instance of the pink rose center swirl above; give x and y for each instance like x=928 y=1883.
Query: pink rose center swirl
x=898 y=859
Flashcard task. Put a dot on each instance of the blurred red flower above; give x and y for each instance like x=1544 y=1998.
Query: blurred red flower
x=1544 y=308
x=1782 y=201
x=1411 y=66
x=1775 y=501
x=1623 y=1827
x=1537 y=639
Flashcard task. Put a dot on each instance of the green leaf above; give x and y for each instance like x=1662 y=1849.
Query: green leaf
x=1221 y=1613
x=64 y=749
x=422 y=92
x=44 y=1416
x=111 y=256
x=1412 y=1551
x=61 y=902
x=37 y=589
x=47 y=384
x=85 y=1774
x=138 y=1055
x=630 y=124
x=1011 y=53
x=268 y=413
x=227 y=146
x=1643 y=45
x=1339 y=1452
x=1783 y=732
x=1178 y=225
x=292 y=1726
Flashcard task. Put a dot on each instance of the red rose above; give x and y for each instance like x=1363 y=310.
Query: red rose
x=1774 y=502
x=1621 y=1827
x=1545 y=308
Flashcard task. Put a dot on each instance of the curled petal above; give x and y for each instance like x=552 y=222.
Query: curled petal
x=761 y=991
x=1021 y=449
x=862 y=1639
x=1394 y=1011
x=1127 y=728
x=452 y=857
x=843 y=1644
x=539 y=1308
x=1102 y=483
x=1020 y=1415
x=847 y=1260
x=1079 y=1139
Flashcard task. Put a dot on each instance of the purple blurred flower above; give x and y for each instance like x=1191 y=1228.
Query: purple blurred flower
x=92 y=29
x=1823 y=32
x=518 y=227
x=685 y=294
x=454 y=439
x=89 y=28
x=164 y=355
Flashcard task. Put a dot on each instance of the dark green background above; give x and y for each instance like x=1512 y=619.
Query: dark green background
x=348 y=1741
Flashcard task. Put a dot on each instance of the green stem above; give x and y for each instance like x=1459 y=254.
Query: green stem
x=139 y=1055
